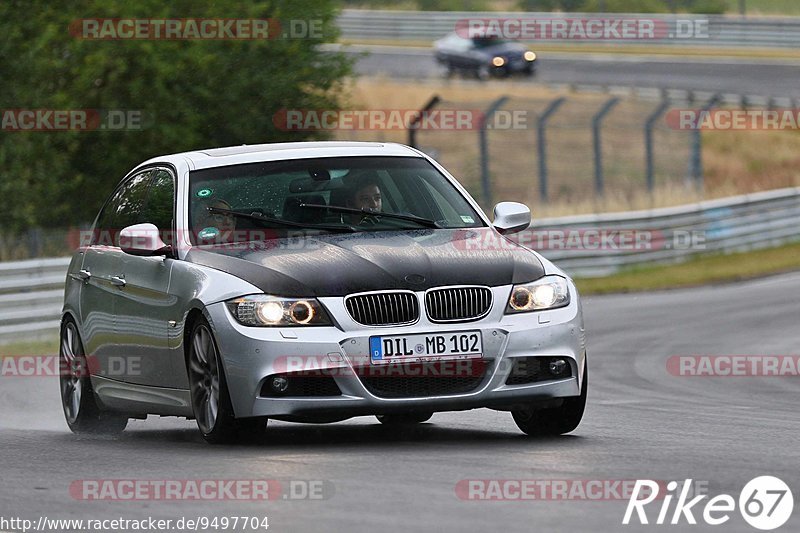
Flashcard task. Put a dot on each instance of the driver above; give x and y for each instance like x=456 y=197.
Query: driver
x=217 y=227
x=365 y=193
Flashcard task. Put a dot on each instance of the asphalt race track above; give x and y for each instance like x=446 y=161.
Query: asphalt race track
x=641 y=422
x=762 y=77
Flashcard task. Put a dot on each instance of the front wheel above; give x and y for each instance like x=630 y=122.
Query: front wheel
x=81 y=410
x=550 y=421
x=483 y=73
x=211 y=401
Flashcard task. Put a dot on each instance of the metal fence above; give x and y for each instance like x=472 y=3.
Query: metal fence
x=574 y=148
x=723 y=31
x=31 y=291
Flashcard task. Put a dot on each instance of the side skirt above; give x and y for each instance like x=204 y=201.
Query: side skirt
x=140 y=400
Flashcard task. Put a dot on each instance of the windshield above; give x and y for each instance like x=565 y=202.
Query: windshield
x=486 y=42
x=349 y=194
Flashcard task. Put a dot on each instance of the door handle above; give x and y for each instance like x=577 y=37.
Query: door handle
x=82 y=275
x=117 y=281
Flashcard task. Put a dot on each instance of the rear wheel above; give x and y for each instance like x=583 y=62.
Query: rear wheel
x=549 y=421
x=211 y=401
x=81 y=410
x=404 y=419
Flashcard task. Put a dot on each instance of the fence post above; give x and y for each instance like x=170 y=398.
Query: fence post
x=486 y=186
x=598 y=150
x=696 y=161
x=35 y=242
x=648 y=143
x=412 y=127
x=541 y=143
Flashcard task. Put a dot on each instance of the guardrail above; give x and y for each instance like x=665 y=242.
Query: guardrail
x=31 y=292
x=669 y=235
x=723 y=31
x=31 y=295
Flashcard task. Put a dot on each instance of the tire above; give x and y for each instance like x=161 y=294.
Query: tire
x=483 y=73
x=81 y=410
x=405 y=419
x=448 y=71
x=211 y=402
x=551 y=421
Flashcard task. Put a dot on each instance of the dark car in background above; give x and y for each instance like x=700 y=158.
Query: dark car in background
x=484 y=56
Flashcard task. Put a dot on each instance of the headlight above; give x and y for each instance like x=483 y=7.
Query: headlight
x=264 y=310
x=498 y=61
x=529 y=56
x=546 y=293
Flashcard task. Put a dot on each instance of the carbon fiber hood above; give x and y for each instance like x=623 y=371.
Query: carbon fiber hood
x=341 y=264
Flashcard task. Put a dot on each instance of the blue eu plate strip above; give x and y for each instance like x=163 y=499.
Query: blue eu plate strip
x=375 y=348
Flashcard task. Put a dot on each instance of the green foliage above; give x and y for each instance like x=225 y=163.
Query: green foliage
x=193 y=94
x=708 y=7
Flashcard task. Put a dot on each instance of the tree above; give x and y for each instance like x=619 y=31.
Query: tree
x=192 y=94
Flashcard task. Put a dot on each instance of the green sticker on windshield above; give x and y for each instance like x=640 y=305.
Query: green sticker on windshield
x=467 y=219
x=208 y=233
x=204 y=193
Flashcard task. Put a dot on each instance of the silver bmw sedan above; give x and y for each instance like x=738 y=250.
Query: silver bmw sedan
x=313 y=282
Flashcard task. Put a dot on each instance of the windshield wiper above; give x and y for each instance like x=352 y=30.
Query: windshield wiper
x=286 y=223
x=428 y=223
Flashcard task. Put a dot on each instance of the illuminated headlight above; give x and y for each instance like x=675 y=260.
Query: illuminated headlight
x=529 y=56
x=498 y=61
x=547 y=293
x=264 y=310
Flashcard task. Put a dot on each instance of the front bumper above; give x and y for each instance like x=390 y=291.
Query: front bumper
x=515 y=66
x=251 y=354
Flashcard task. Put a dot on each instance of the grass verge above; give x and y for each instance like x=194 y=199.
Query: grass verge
x=702 y=270
x=595 y=48
x=38 y=347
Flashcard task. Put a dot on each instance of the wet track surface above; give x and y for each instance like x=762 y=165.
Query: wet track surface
x=641 y=422
x=762 y=77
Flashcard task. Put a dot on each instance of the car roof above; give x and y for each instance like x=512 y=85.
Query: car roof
x=233 y=155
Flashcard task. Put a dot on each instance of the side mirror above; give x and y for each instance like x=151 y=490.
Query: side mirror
x=511 y=217
x=143 y=240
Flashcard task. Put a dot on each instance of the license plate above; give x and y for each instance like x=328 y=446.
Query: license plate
x=425 y=347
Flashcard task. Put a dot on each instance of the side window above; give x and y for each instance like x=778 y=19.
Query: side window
x=134 y=195
x=123 y=209
x=160 y=202
x=104 y=232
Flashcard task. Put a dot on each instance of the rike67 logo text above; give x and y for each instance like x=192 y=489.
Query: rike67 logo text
x=765 y=503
